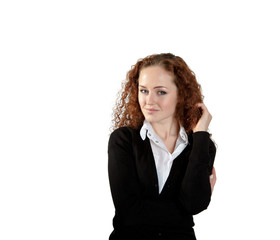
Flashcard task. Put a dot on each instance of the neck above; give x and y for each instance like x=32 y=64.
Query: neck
x=166 y=129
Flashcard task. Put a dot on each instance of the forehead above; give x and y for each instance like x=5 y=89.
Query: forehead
x=155 y=75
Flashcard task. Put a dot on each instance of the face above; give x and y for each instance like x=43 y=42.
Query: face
x=157 y=95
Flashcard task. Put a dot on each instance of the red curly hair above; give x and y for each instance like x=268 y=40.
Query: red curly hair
x=127 y=111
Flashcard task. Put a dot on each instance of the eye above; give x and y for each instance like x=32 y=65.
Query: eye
x=161 y=92
x=143 y=91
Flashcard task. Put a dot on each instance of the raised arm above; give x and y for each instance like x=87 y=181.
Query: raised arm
x=195 y=194
x=196 y=189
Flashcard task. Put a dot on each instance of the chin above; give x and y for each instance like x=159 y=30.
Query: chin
x=150 y=118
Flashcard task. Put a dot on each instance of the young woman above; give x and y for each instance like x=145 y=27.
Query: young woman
x=160 y=153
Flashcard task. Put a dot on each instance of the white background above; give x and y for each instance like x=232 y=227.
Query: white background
x=61 y=66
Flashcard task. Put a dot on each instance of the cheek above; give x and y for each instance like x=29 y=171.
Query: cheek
x=140 y=100
x=171 y=104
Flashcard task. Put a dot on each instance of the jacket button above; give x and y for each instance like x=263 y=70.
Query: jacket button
x=156 y=185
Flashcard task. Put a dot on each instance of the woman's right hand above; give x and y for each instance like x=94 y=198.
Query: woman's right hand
x=205 y=119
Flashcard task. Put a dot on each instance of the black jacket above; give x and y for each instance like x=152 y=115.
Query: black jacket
x=141 y=211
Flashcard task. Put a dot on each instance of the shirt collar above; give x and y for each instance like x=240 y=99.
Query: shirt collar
x=147 y=129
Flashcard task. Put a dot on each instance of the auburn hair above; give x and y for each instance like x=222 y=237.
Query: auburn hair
x=127 y=111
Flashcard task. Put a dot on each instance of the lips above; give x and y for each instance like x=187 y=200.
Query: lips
x=151 y=110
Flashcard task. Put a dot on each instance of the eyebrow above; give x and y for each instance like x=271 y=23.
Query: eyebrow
x=154 y=87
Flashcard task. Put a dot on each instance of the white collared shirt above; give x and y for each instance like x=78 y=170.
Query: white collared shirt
x=163 y=158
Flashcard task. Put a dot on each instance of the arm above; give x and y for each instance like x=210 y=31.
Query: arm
x=195 y=194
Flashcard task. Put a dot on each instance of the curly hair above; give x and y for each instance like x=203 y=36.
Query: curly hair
x=127 y=111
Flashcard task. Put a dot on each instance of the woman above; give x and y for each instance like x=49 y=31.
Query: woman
x=160 y=153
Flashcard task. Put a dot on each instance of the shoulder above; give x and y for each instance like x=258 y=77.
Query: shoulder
x=123 y=132
x=123 y=136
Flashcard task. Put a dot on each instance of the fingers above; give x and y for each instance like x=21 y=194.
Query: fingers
x=203 y=107
x=213 y=179
x=204 y=120
x=213 y=171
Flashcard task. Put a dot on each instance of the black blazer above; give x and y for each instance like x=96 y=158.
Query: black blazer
x=143 y=213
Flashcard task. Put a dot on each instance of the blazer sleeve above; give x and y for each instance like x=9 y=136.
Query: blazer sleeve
x=128 y=198
x=195 y=194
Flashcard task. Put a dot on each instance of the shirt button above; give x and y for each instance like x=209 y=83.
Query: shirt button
x=156 y=141
x=149 y=134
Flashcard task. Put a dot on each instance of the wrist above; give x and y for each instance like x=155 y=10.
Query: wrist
x=200 y=130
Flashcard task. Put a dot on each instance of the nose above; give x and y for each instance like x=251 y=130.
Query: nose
x=150 y=100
